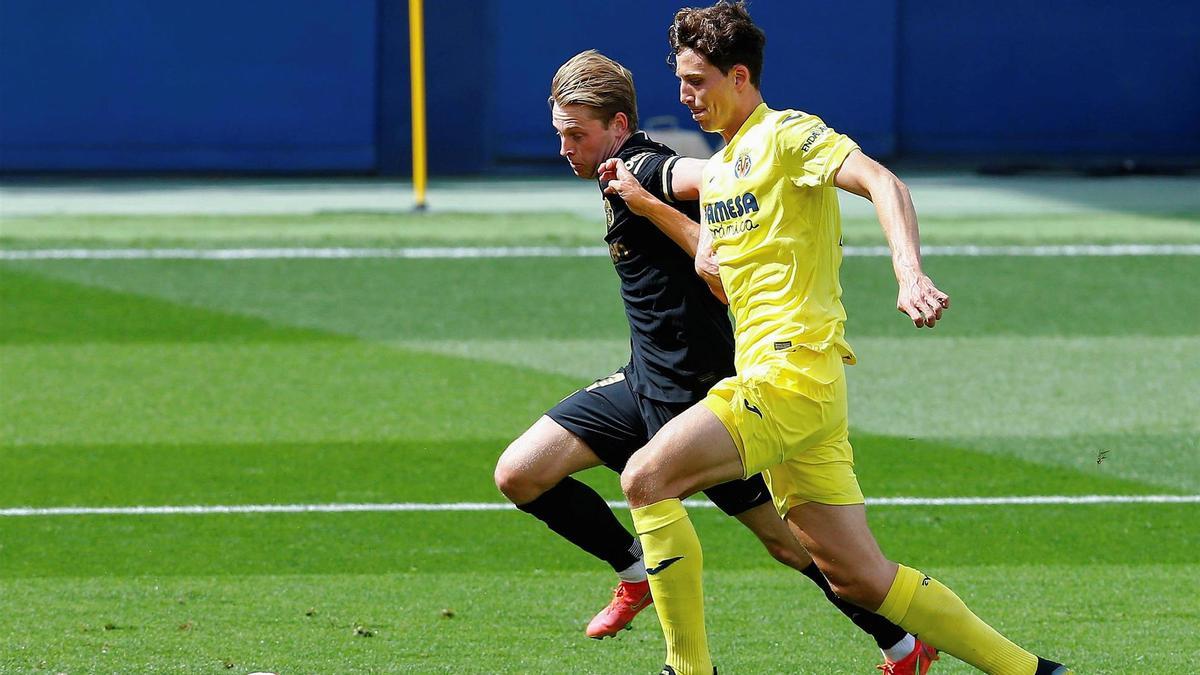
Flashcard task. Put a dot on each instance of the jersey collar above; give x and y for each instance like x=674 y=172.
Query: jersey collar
x=640 y=134
x=755 y=117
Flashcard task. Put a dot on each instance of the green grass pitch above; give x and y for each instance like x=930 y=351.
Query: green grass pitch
x=144 y=383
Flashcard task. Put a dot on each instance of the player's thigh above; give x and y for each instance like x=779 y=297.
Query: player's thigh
x=541 y=457
x=599 y=424
x=692 y=452
x=800 y=440
x=607 y=417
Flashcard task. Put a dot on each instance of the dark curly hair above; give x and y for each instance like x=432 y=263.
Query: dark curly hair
x=723 y=33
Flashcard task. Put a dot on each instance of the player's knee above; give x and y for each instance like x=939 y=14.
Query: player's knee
x=507 y=480
x=632 y=479
x=787 y=553
x=779 y=551
x=638 y=481
x=845 y=589
x=846 y=586
x=515 y=481
x=860 y=589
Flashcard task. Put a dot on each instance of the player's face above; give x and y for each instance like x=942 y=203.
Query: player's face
x=583 y=139
x=707 y=92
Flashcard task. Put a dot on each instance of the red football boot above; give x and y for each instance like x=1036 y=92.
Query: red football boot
x=917 y=662
x=628 y=600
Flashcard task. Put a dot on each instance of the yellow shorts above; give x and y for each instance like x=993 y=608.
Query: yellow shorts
x=788 y=419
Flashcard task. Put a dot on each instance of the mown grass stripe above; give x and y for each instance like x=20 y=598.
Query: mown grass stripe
x=503 y=506
x=461 y=252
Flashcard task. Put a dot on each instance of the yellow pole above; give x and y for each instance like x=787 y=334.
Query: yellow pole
x=416 y=50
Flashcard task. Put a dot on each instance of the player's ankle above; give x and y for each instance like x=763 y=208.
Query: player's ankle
x=635 y=573
x=901 y=649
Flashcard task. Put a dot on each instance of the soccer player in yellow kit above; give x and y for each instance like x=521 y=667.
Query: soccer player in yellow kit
x=770 y=218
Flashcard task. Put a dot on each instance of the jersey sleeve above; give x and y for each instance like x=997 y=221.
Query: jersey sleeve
x=809 y=151
x=653 y=171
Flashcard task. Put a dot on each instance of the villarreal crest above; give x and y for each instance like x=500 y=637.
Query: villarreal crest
x=742 y=166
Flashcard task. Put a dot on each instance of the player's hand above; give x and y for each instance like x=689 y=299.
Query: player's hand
x=608 y=170
x=708 y=270
x=620 y=182
x=921 y=301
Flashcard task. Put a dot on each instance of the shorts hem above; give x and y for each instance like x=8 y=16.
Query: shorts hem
x=789 y=502
x=719 y=407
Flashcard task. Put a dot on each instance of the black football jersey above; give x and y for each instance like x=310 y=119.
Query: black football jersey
x=681 y=339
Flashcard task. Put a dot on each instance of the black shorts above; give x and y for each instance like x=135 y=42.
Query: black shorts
x=615 y=421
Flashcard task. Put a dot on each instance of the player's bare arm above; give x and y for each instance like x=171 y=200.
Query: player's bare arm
x=619 y=181
x=684 y=231
x=918 y=297
x=685 y=178
x=685 y=183
x=707 y=265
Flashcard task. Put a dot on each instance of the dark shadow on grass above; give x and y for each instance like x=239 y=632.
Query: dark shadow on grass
x=37 y=310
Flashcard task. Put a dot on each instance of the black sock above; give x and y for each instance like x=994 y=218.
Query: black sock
x=1046 y=667
x=885 y=632
x=576 y=513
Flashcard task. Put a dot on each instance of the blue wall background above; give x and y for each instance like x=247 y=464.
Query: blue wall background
x=271 y=85
x=322 y=85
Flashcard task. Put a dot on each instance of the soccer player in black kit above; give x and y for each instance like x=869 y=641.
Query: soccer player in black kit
x=681 y=344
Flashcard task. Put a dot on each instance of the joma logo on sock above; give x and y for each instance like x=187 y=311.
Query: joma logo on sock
x=663 y=565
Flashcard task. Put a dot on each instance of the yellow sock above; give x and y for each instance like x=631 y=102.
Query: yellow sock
x=924 y=607
x=674 y=564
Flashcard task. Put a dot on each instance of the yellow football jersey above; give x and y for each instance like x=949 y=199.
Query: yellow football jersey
x=769 y=201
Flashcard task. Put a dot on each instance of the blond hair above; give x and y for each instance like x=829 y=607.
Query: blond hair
x=592 y=79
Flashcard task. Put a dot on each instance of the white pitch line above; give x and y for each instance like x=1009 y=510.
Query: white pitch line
x=440 y=253
x=430 y=252
x=504 y=506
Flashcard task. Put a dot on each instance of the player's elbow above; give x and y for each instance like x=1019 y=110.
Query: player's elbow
x=886 y=186
x=887 y=183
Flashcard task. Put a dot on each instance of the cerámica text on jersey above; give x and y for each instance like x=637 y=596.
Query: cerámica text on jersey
x=733 y=228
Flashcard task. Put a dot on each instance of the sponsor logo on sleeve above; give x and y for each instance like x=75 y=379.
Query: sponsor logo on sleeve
x=812 y=138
